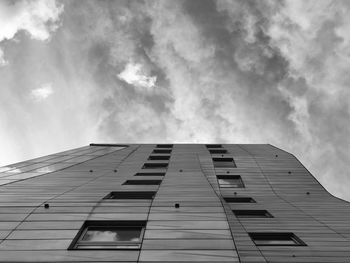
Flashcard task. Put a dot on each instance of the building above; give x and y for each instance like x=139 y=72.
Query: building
x=169 y=203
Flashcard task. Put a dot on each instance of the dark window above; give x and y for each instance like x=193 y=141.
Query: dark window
x=252 y=213
x=103 y=235
x=224 y=162
x=149 y=174
x=131 y=195
x=230 y=181
x=218 y=151
x=159 y=157
x=209 y=146
x=155 y=165
x=239 y=200
x=142 y=182
x=167 y=151
x=276 y=239
x=164 y=146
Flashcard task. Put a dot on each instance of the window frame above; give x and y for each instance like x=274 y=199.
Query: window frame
x=161 y=151
x=213 y=146
x=154 y=166
x=131 y=195
x=159 y=158
x=218 y=161
x=149 y=174
x=166 y=146
x=238 y=178
x=79 y=244
x=239 y=213
x=250 y=199
x=217 y=151
x=143 y=182
x=256 y=235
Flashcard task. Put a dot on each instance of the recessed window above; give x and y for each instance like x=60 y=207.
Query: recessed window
x=155 y=165
x=163 y=151
x=230 y=181
x=252 y=213
x=105 y=235
x=131 y=195
x=239 y=200
x=224 y=162
x=276 y=239
x=209 y=146
x=159 y=157
x=142 y=182
x=164 y=146
x=217 y=151
x=149 y=174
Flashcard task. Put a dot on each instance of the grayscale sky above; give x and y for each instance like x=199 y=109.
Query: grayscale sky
x=278 y=72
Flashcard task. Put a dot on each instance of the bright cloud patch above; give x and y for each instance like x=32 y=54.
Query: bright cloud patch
x=133 y=74
x=3 y=62
x=43 y=92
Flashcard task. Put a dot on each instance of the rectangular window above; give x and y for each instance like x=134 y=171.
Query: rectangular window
x=209 y=146
x=159 y=157
x=239 y=200
x=252 y=213
x=218 y=151
x=224 y=162
x=142 y=182
x=149 y=174
x=131 y=195
x=164 y=146
x=106 y=235
x=165 y=151
x=155 y=166
x=276 y=239
x=230 y=181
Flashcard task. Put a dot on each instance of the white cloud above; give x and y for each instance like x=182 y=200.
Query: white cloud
x=3 y=62
x=36 y=17
x=134 y=74
x=43 y=92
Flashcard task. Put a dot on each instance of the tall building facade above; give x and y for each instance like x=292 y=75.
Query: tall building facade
x=169 y=203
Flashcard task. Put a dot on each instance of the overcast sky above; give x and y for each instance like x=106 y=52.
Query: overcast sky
x=278 y=72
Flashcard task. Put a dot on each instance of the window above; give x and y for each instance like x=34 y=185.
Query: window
x=164 y=146
x=131 y=195
x=209 y=146
x=155 y=165
x=149 y=174
x=230 y=181
x=276 y=239
x=159 y=157
x=109 y=235
x=217 y=151
x=224 y=162
x=142 y=182
x=252 y=213
x=239 y=200
x=167 y=151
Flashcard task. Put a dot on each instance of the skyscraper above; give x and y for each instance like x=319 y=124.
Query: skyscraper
x=169 y=203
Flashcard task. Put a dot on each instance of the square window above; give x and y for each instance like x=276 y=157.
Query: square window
x=239 y=200
x=224 y=162
x=218 y=151
x=142 y=182
x=155 y=166
x=252 y=213
x=149 y=174
x=165 y=151
x=105 y=235
x=276 y=239
x=164 y=146
x=131 y=195
x=159 y=157
x=230 y=181
x=209 y=146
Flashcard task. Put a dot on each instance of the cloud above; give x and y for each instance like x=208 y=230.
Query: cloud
x=42 y=93
x=189 y=71
x=3 y=61
x=134 y=75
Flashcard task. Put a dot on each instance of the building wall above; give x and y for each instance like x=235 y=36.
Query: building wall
x=202 y=229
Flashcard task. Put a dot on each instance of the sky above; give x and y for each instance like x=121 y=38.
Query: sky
x=193 y=71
